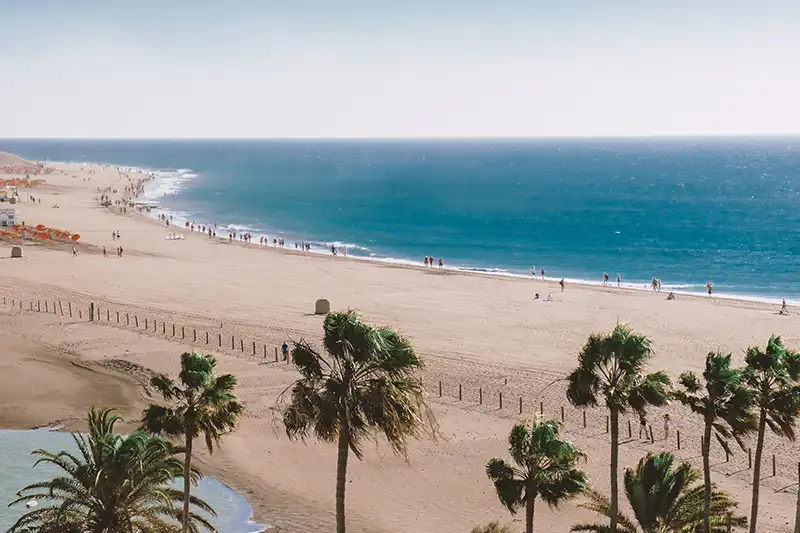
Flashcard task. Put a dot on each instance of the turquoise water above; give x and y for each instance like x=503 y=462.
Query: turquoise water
x=686 y=211
x=16 y=472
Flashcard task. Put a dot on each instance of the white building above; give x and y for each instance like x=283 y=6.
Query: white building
x=8 y=216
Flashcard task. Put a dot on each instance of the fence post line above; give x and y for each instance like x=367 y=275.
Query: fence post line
x=163 y=328
x=108 y=315
x=45 y=306
x=145 y=323
x=136 y=318
x=117 y=317
x=520 y=405
x=678 y=433
x=80 y=314
x=69 y=305
x=774 y=470
x=276 y=354
x=440 y=388
x=500 y=395
x=630 y=431
x=173 y=330
x=183 y=332
x=541 y=408
x=584 y=419
x=254 y=347
x=241 y=345
x=206 y=337
x=459 y=392
x=127 y=319
x=233 y=343
x=480 y=396
x=194 y=335
x=61 y=308
x=265 y=347
x=219 y=338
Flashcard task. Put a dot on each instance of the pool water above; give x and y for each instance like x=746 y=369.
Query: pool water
x=16 y=471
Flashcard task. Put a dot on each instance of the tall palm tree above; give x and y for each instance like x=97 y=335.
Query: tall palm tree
x=663 y=500
x=725 y=402
x=545 y=466
x=611 y=369
x=492 y=527
x=113 y=484
x=367 y=382
x=203 y=404
x=772 y=374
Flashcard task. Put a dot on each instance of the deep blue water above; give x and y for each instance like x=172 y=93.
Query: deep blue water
x=686 y=211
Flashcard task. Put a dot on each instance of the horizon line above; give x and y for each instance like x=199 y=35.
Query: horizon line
x=792 y=135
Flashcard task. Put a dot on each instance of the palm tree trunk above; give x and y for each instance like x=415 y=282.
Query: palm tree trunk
x=529 y=508
x=341 y=475
x=797 y=515
x=614 y=468
x=707 y=477
x=762 y=425
x=187 y=481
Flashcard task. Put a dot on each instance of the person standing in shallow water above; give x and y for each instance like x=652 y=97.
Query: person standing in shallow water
x=709 y=287
x=618 y=280
x=542 y=273
x=426 y=260
x=441 y=263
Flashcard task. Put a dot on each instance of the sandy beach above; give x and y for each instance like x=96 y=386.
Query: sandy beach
x=477 y=331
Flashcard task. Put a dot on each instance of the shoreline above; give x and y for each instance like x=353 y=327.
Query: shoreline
x=183 y=175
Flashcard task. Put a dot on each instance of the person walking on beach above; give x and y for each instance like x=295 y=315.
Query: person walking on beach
x=709 y=287
x=605 y=278
x=562 y=284
x=666 y=426
x=426 y=260
x=104 y=252
x=642 y=426
x=618 y=279
x=533 y=271
x=784 y=310
x=285 y=350
x=441 y=263
x=542 y=273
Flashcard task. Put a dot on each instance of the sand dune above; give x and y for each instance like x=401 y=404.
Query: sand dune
x=484 y=333
x=11 y=160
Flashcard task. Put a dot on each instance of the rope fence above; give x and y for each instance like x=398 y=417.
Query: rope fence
x=584 y=422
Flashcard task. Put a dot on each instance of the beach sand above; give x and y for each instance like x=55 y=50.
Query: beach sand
x=475 y=330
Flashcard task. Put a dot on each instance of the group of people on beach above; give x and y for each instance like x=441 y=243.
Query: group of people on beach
x=430 y=261
x=605 y=279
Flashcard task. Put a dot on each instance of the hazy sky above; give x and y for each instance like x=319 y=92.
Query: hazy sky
x=399 y=68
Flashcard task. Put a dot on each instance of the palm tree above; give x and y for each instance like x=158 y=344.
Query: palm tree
x=725 y=403
x=545 y=466
x=492 y=527
x=663 y=500
x=113 y=484
x=368 y=382
x=611 y=369
x=772 y=375
x=203 y=404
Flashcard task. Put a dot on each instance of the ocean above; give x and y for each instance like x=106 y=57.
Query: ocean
x=686 y=211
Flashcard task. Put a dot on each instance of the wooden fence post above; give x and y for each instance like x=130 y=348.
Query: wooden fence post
x=69 y=305
x=727 y=456
x=117 y=317
x=630 y=430
x=145 y=323
x=541 y=408
x=108 y=315
x=501 y=399
x=61 y=308
x=774 y=470
x=276 y=354
x=91 y=311
x=219 y=338
x=183 y=332
x=80 y=314
x=206 y=337
x=173 y=330
x=194 y=335
x=562 y=413
x=440 y=388
x=136 y=318
x=127 y=319
x=233 y=343
x=459 y=392
x=678 y=433
x=45 y=306
x=241 y=345
x=520 y=405
x=265 y=351
x=480 y=396
x=163 y=328
x=254 y=347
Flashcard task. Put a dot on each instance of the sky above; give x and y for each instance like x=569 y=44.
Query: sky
x=399 y=68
